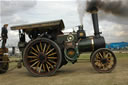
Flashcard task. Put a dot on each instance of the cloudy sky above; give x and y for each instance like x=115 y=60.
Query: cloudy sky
x=18 y=12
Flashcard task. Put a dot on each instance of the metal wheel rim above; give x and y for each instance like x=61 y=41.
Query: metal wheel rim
x=103 y=60
x=51 y=61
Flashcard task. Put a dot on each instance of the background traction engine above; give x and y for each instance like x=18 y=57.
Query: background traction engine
x=49 y=49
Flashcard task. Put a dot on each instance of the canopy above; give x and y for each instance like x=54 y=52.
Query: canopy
x=42 y=26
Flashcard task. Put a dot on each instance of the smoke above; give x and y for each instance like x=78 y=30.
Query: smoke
x=111 y=10
x=116 y=7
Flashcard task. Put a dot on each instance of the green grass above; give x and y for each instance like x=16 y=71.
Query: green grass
x=121 y=55
x=12 y=58
x=118 y=55
x=85 y=56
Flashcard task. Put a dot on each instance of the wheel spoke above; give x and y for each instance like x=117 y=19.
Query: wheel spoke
x=38 y=48
x=51 y=54
x=40 y=68
x=41 y=47
x=52 y=57
x=109 y=66
x=50 y=64
x=52 y=61
x=97 y=60
x=48 y=48
x=33 y=60
x=31 y=56
x=34 y=63
x=103 y=66
x=44 y=67
x=47 y=68
x=109 y=61
x=34 y=54
x=104 y=54
x=37 y=66
x=109 y=58
x=101 y=55
x=49 y=51
x=107 y=55
x=44 y=48
x=99 y=64
x=35 y=50
x=97 y=56
x=96 y=63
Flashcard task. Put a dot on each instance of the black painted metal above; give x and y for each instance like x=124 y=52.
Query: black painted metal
x=99 y=43
x=86 y=45
x=95 y=24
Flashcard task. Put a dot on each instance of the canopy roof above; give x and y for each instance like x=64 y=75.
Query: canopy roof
x=44 y=26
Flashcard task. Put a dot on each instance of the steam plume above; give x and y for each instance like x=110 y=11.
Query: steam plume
x=81 y=10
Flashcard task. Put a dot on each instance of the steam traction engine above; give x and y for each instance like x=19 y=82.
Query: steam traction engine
x=49 y=49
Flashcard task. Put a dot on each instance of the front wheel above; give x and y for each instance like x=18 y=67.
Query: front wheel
x=42 y=57
x=103 y=60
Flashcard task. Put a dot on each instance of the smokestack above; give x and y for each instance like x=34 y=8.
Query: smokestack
x=94 y=11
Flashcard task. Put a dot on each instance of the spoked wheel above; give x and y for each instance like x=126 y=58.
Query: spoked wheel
x=103 y=60
x=42 y=57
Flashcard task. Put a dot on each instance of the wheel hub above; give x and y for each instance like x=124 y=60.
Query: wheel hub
x=104 y=60
x=42 y=57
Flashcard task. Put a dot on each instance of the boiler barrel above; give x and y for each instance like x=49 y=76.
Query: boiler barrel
x=91 y=44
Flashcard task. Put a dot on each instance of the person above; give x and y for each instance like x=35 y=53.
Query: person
x=4 y=35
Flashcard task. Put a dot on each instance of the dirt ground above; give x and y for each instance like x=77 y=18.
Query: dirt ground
x=81 y=73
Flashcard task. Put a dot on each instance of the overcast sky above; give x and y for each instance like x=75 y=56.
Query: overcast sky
x=18 y=12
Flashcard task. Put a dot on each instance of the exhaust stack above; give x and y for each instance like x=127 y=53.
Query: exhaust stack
x=94 y=11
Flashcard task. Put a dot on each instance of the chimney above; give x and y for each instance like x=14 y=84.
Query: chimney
x=94 y=11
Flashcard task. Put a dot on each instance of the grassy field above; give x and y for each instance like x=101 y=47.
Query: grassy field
x=81 y=73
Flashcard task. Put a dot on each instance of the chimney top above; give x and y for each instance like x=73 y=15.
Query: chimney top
x=92 y=9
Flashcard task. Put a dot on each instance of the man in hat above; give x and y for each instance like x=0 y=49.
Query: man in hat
x=4 y=35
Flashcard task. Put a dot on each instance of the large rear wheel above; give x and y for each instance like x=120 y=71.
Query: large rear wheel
x=42 y=57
